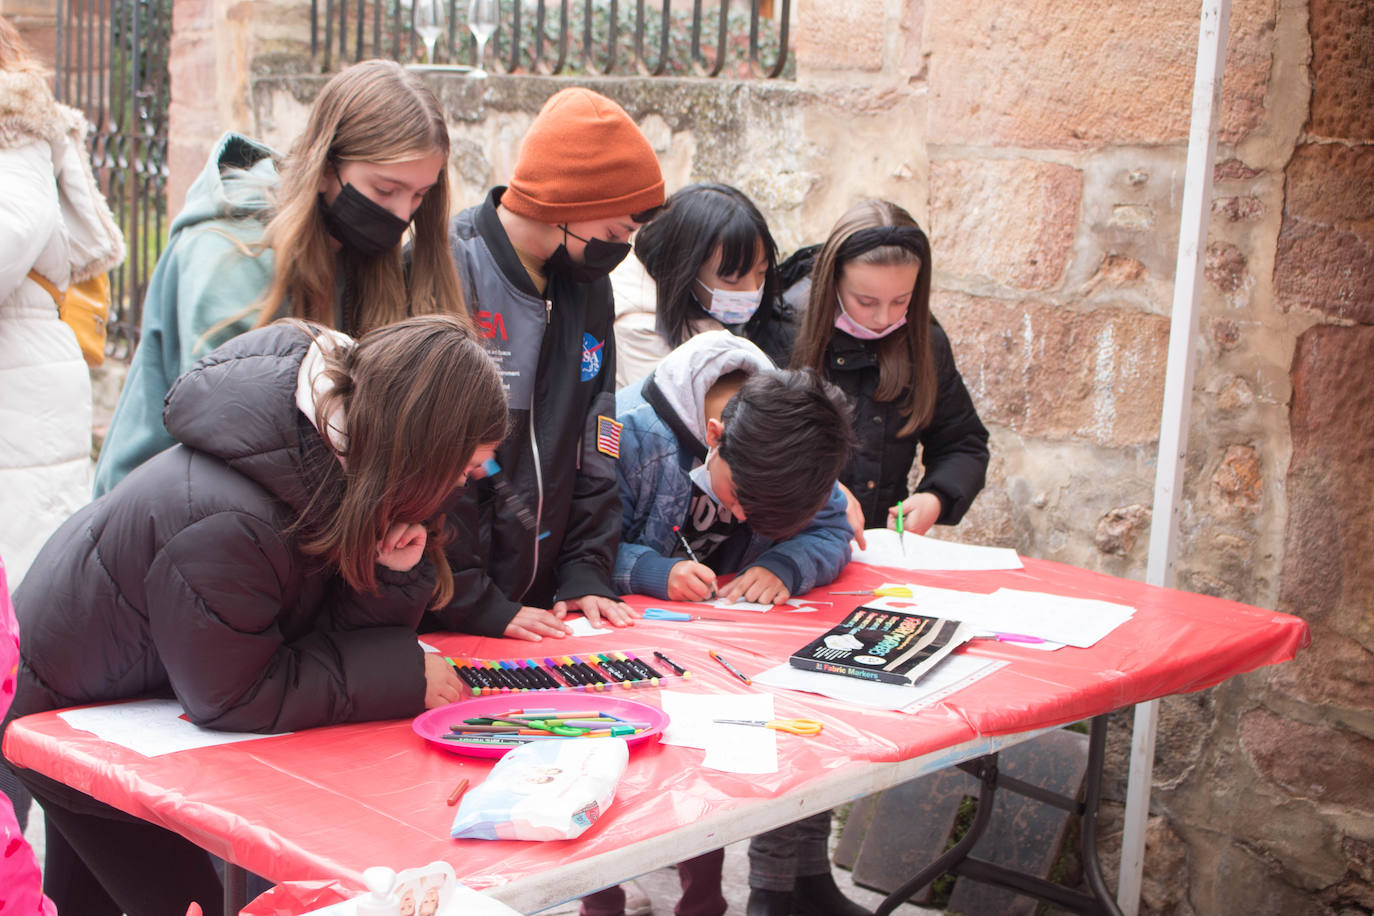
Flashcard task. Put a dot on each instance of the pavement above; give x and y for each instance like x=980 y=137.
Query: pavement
x=661 y=885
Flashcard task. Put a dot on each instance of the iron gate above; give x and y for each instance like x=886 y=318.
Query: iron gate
x=112 y=64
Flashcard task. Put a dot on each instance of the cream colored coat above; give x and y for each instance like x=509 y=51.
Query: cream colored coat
x=53 y=220
x=638 y=348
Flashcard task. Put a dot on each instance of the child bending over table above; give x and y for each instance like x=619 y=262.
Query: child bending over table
x=739 y=459
x=268 y=572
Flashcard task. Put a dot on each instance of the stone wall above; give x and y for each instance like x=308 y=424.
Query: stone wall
x=1043 y=144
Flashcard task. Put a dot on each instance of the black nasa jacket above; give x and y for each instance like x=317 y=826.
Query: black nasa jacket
x=547 y=526
x=184 y=581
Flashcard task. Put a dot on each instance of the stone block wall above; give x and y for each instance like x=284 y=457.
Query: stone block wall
x=1043 y=145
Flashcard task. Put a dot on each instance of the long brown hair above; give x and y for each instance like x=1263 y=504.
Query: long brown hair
x=374 y=111
x=418 y=398
x=14 y=54
x=876 y=232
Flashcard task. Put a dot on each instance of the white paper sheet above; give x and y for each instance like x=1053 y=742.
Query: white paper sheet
x=1077 y=622
x=885 y=549
x=150 y=727
x=731 y=748
x=722 y=604
x=954 y=673
x=581 y=626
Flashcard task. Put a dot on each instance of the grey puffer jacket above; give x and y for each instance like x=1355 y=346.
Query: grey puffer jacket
x=184 y=579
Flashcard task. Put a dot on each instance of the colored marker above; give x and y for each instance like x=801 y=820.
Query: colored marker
x=728 y=667
x=677 y=669
x=900 y=540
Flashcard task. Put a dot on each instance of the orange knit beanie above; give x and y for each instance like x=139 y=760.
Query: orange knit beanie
x=583 y=159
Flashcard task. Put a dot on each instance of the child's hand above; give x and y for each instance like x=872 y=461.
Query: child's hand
x=598 y=608
x=756 y=584
x=442 y=686
x=855 y=513
x=688 y=581
x=534 y=623
x=402 y=546
x=919 y=512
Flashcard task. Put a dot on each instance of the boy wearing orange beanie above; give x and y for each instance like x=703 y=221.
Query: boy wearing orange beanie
x=538 y=537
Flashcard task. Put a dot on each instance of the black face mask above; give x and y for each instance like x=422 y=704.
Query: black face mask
x=361 y=224
x=599 y=258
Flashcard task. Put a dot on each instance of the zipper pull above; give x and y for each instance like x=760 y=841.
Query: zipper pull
x=548 y=312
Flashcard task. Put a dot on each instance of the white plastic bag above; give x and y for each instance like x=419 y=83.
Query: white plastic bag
x=544 y=790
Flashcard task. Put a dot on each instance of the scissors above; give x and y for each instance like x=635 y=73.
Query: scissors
x=807 y=727
x=887 y=591
x=658 y=613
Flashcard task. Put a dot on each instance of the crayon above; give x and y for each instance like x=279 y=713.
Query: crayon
x=458 y=792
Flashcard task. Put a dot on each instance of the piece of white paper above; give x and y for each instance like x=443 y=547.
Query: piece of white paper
x=150 y=727
x=581 y=626
x=731 y=748
x=722 y=604
x=885 y=548
x=1077 y=622
x=954 y=673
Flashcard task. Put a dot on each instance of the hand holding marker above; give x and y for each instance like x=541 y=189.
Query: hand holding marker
x=692 y=555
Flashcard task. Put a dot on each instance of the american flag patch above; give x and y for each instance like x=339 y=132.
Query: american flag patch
x=608 y=436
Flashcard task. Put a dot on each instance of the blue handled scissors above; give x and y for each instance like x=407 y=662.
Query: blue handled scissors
x=658 y=613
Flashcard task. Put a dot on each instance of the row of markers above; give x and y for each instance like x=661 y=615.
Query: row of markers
x=592 y=671
x=520 y=726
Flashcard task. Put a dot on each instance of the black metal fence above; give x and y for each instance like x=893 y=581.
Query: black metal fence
x=746 y=39
x=112 y=64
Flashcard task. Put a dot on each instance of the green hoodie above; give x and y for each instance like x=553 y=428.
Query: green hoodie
x=209 y=274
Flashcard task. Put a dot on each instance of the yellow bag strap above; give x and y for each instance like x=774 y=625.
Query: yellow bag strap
x=47 y=284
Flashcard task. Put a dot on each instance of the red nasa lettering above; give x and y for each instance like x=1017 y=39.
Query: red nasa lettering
x=491 y=324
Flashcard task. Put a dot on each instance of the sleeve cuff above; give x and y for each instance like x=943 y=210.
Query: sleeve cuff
x=650 y=575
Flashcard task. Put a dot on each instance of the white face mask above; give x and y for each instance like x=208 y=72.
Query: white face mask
x=732 y=306
x=701 y=476
x=851 y=327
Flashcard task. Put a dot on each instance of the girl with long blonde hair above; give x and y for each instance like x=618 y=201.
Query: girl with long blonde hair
x=316 y=234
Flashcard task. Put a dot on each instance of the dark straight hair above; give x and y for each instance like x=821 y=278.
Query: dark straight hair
x=694 y=222
x=788 y=436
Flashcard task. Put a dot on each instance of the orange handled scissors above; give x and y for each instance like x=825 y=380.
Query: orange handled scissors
x=807 y=727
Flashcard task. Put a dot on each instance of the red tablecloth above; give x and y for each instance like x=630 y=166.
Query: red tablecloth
x=330 y=802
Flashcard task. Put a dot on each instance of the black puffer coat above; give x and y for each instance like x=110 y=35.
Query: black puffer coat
x=183 y=581
x=954 y=444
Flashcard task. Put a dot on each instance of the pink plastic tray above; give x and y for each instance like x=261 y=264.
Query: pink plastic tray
x=432 y=724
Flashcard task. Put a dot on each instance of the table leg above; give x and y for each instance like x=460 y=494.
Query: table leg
x=957 y=860
x=235 y=889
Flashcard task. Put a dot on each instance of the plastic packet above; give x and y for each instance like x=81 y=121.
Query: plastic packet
x=544 y=790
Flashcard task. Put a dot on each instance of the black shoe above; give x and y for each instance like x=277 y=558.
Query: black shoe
x=818 y=895
x=769 y=903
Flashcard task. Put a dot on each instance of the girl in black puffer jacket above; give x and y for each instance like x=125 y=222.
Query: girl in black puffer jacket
x=268 y=572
